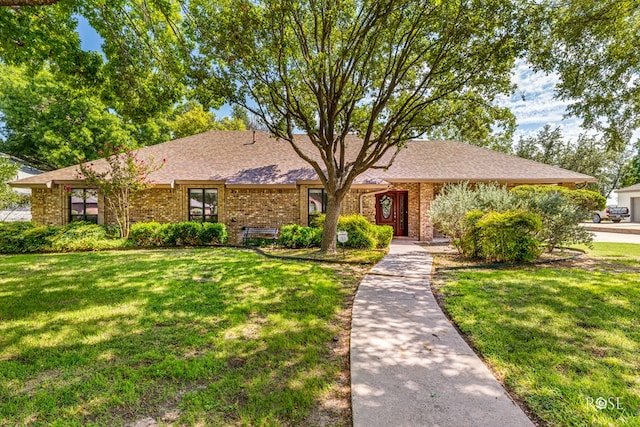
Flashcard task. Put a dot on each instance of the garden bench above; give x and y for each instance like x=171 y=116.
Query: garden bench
x=256 y=232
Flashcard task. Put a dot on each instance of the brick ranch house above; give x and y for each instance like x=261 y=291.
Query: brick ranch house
x=250 y=179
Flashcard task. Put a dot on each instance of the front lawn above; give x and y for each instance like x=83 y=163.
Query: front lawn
x=202 y=336
x=564 y=338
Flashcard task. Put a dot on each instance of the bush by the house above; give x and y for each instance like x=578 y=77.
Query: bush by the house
x=182 y=233
x=469 y=243
x=12 y=236
x=508 y=236
x=561 y=210
x=586 y=200
x=560 y=220
x=145 y=234
x=361 y=233
x=213 y=233
x=25 y=237
x=384 y=235
x=450 y=207
x=85 y=236
x=295 y=236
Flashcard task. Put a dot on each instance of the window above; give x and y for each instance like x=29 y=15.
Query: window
x=203 y=204
x=83 y=205
x=317 y=204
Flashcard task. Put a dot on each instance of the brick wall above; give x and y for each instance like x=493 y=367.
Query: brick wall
x=49 y=206
x=238 y=207
x=427 y=194
x=158 y=204
x=259 y=208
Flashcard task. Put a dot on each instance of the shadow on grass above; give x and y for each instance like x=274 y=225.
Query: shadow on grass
x=214 y=337
x=559 y=337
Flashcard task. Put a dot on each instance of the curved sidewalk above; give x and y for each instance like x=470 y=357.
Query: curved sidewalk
x=409 y=365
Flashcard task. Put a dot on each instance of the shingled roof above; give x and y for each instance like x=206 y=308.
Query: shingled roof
x=248 y=158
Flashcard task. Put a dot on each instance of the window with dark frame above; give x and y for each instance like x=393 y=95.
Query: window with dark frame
x=203 y=204
x=83 y=205
x=317 y=204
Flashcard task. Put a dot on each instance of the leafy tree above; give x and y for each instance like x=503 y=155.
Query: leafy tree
x=387 y=71
x=144 y=58
x=631 y=169
x=52 y=124
x=592 y=45
x=588 y=155
x=9 y=198
x=192 y=119
x=119 y=179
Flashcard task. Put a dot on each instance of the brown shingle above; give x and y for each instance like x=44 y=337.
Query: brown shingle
x=239 y=157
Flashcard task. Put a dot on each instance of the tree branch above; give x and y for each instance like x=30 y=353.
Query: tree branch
x=20 y=3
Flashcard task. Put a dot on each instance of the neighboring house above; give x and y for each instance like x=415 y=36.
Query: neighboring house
x=630 y=197
x=25 y=171
x=247 y=179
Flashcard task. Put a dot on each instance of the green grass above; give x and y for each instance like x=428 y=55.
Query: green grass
x=212 y=337
x=629 y=251
x=560 y=337
x=356 y=256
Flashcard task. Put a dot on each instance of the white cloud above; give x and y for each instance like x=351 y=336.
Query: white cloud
x=534 y=104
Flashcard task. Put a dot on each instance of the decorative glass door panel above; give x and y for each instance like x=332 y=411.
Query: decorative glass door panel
x=391 y=209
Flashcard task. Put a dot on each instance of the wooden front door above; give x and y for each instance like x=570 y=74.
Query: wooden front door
x=391 y=209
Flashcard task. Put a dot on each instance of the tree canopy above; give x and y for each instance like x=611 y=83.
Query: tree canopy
x=593 y=46
x=589 y=155
x=387 y=71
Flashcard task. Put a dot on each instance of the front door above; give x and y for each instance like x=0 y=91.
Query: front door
x=391 y=209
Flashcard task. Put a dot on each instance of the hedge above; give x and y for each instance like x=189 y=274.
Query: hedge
x=586 y=200
x=508 y=236
x=190 y=233
x=26 y=237
x=361 y=233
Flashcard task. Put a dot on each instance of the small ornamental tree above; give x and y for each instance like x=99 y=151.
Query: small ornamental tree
x=119 y=177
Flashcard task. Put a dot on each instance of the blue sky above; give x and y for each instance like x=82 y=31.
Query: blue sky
x=533 y=103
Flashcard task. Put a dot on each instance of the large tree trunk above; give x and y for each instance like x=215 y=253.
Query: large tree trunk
x=334 y=205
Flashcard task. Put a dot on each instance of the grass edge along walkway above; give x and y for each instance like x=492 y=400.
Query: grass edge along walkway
x=562 y=338
x=214 y=337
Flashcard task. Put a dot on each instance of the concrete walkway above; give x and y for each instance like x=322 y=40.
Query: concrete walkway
x=409 y=365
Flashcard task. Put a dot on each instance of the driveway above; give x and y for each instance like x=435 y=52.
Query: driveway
x=601 y=236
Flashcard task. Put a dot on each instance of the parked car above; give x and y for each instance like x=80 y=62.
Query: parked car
x=614 y=213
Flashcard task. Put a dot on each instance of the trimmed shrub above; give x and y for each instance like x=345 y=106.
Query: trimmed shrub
x=186 y=233
x=469 y=244
x=167 y=234
x=181 y=233
x=450 y=207
x=82 y=236
x=213 y=233
x=295 y=236
x=509 y=236
x=11 y=236
x=384 y=234
x=560 y=220
x=75 y=236
x=145 y=234
x=361 y=234
x=38 y=239
x=586 y=200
